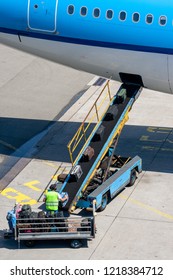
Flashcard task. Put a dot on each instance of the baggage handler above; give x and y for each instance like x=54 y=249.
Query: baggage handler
x=52 y=198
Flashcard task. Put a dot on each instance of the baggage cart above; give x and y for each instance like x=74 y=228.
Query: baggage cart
x=76 y=229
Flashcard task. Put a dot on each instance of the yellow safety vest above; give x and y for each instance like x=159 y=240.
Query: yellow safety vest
x=52 y=201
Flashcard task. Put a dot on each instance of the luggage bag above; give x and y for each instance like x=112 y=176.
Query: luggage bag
x=88 y=154
x=62 y=177
x=111 y=113
x=121 y=96
x=98 y=136
x=76 y=173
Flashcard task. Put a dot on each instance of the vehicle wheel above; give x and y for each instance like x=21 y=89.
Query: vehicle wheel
x=29 y=243
x=76 y=244
x=132 y=178
x=103 y=203
x=8 y=235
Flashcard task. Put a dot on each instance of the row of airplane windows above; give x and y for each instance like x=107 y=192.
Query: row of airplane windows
x=122 y=15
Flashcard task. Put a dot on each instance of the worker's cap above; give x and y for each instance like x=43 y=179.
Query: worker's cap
x=52 y=187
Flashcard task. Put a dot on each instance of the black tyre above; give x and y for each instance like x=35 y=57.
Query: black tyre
x=133 y=177
x=103 y=203
x=29 y=243
x=75 y=244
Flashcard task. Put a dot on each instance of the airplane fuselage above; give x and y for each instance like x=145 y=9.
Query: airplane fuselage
x=127 y=40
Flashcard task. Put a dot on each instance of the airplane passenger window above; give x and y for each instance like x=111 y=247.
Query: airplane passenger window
x=162 y=20
x=136 y=17
x=122 y=15
x=149 y=18
x=96 y=12
x=109 y=14
x=70 y=9
x=83 y=11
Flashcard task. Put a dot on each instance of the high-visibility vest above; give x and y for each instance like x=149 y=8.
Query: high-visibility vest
x=52 y=201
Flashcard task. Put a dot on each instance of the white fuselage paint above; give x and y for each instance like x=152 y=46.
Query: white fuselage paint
x=155 y=69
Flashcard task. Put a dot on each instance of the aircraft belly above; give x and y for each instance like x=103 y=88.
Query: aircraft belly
x=106 y=62
x=11 y=40
x=170 y=69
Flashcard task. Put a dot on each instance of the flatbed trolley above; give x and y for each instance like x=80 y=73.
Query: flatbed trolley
x=75 y=228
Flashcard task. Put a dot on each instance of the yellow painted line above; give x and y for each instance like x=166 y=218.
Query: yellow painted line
x=158 y=129
x=147 y=138
x=150 y=208
x=31 y=185
x=19 y=197
x=152 y=148
x=54 y=178
x=51 y=164
x=166 y=150
x=64 y=170
x=164 y=130
x=151 y=129
x=169 y=141
x=7 y=145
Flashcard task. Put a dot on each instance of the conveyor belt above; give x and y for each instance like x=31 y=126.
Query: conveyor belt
x=72 y=188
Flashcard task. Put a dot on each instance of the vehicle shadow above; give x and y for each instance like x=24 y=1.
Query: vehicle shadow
x=12 y=244
x=153 y=144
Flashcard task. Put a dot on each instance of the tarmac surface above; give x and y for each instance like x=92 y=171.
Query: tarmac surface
x=41 y=106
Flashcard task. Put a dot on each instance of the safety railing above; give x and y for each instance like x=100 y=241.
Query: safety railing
x=65 y=169
x=54 y=228
x=90 y=124
x=114 y=136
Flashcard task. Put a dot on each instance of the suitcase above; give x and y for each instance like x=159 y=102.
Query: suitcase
x=62 y=177
x=121 y=96
x=88 y=154
x=34 y=220
x=76 y=173
x=99 y=134
x=111 y=113
x=73 y=226
x=104 y=163
x=63 y=203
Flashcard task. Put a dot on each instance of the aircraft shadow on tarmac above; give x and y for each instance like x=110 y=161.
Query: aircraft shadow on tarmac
x=153 y=144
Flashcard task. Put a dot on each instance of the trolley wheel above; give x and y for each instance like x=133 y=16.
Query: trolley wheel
x=29 y=243
x=75 y=244
x=132 y=178
x=8 y=235
x=103 y=203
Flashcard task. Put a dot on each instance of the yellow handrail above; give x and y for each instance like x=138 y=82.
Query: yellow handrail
x=92 y=117
x=116 y=134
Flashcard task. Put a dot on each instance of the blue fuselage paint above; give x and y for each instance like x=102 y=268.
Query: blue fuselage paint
x=51 y=17
x=108 y=43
